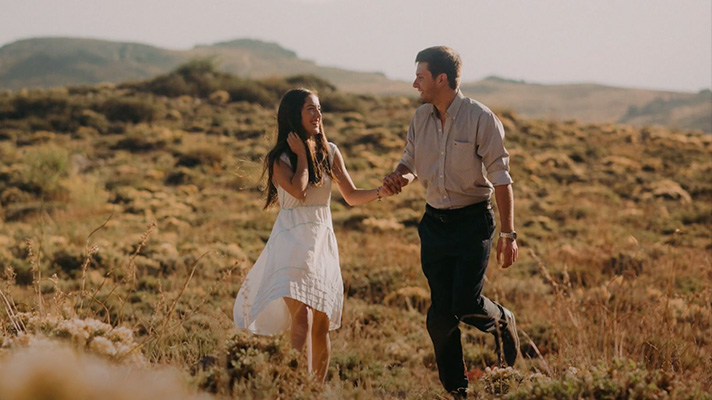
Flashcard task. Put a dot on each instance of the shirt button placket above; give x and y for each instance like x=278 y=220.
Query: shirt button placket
x=443 y=144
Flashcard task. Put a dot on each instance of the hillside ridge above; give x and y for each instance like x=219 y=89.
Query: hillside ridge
x=64 y=61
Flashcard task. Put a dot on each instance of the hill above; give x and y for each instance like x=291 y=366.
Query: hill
x=128 y=220
x=594 y=103
x=49 y=62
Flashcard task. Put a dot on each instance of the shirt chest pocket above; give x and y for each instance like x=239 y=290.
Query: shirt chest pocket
x=462 y=156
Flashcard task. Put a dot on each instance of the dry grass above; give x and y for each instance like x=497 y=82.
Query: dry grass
x=149 y=230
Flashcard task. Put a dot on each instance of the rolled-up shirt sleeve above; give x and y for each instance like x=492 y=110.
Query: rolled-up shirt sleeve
x=490 y=147
x=408 y=159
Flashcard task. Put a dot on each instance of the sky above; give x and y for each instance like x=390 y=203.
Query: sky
x=652 y=44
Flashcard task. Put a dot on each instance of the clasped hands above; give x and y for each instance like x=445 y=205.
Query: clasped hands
x=394 y=182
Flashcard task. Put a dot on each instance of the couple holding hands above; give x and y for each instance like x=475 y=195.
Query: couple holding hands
x=455 y=148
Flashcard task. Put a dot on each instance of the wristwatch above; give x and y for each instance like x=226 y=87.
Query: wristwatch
x=509 y=235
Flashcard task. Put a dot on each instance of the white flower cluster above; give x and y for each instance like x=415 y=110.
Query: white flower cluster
x=500 y=372
x=81 y=331
x=88 y=334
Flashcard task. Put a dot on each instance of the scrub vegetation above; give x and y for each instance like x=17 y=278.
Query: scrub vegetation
x=130 y=214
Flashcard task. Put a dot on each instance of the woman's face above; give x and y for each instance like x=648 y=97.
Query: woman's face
x=311 y=115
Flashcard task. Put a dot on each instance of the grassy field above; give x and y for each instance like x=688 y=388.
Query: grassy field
x=130 y=214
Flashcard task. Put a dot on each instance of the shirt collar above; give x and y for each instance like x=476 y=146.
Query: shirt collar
x=454 y=106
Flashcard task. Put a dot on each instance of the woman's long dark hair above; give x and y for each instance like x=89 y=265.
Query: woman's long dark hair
x=289 y=119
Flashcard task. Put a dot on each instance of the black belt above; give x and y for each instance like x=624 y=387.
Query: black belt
x=450 y=215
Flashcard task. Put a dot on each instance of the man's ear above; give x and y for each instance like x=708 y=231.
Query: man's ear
x=442 y=78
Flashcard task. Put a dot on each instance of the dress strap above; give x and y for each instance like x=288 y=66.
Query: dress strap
x=332 y=151
x=285 y=159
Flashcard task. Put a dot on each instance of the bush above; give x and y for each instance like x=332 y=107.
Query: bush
x=92 y=119
x=146 y=138
x=39 y=104
x=196 y=78
x=202 y=155
x=620 y=379
x=46 y=110
x=44 y=167
x=172 y=85
x=311 y=82
x=200 y=78
x=341 y=102
x=132 y=110
x=69 y=261
x=252 y=92
x=256 y=367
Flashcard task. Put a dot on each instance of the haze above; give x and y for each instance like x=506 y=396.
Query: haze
x=654 y=44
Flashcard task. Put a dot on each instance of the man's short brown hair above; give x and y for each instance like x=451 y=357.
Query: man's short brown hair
x=442 y=60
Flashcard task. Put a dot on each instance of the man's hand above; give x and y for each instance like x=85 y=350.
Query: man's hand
x=507 y=252
x=394 y=182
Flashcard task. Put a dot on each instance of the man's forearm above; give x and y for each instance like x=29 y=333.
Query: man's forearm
x=504 y=195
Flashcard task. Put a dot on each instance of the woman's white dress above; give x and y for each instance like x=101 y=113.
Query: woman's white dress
x=299 y=261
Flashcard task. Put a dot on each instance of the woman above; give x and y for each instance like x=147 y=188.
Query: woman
x=296 y=282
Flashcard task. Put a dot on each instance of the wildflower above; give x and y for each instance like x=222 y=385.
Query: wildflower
x=102 y=346
x=121 y=334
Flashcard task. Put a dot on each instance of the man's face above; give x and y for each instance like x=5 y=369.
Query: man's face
x=424 y=82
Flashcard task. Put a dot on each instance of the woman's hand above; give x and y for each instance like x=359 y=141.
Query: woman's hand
x=384 y=191
x=296 y=144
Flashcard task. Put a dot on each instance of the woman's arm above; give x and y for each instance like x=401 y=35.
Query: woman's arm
x=294 y=182
x=352 y=195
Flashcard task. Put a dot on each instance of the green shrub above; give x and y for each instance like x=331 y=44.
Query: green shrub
x=45 y=110
x=39 y=104
x=202 y=155
x=341 y=102
x=201 y=78
x=256 y=367
x=172 y=85
x=132 y=110
x=311 y=82
x=619 y=379
x=44 y=167
x=252 y=92
x=500 y=381
x=196 y=78
x=355 y=368
x=69 y=261
x=145 y=138
x=93 y=119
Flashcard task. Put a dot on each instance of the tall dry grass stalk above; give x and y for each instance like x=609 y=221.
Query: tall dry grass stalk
x=131 y=266
x=89 y=251
x=624 y=320
x=167 y=317
x=36 y=272
x=11 y=311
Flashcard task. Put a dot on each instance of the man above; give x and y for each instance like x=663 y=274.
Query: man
x=455 y=149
